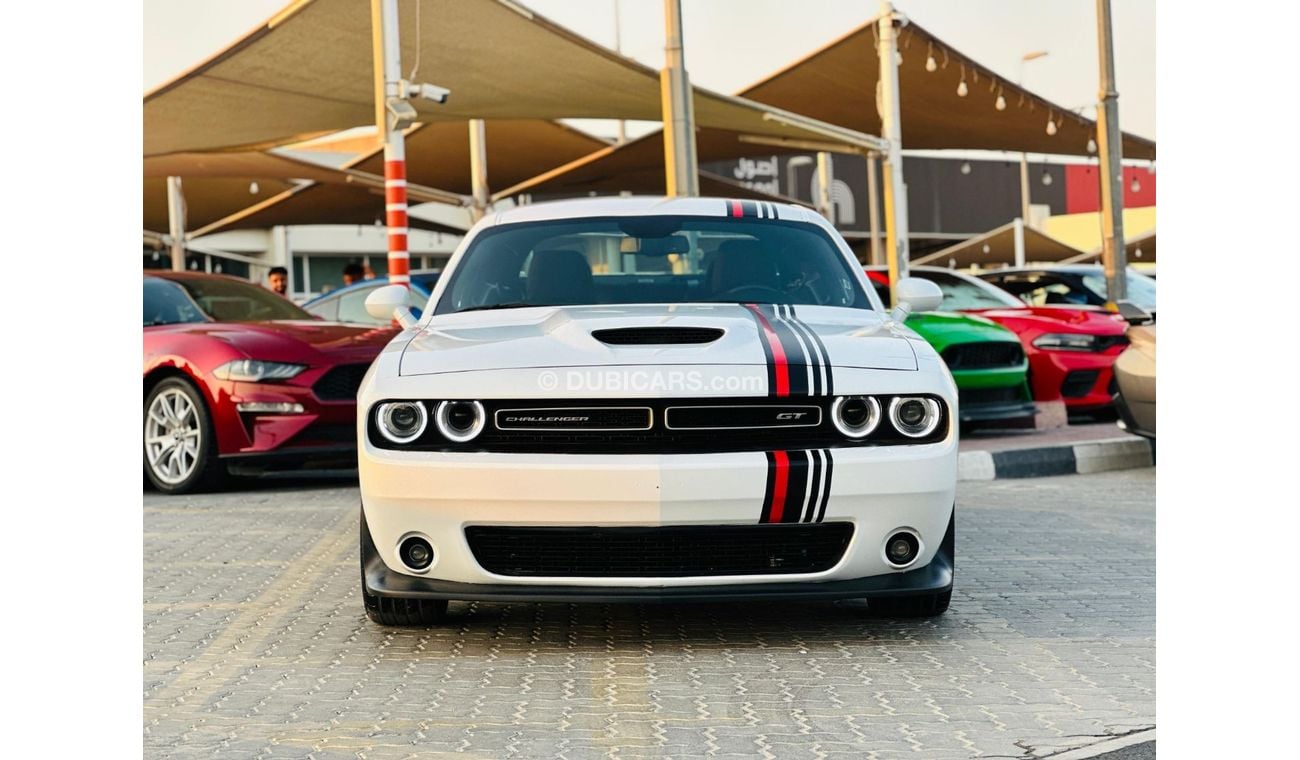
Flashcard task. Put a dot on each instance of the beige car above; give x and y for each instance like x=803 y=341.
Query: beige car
x=1135 y=377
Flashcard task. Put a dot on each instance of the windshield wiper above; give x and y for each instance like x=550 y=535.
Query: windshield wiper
x=511 y=305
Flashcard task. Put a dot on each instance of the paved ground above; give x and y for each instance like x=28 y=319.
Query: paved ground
x=255 y=646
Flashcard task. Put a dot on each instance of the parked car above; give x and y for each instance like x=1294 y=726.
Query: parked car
x=1135 y=376
x=235 y=374
x=1070 y=285
x=1071 y=350
x=349 y=304
x=753 y=427
x=986 y=360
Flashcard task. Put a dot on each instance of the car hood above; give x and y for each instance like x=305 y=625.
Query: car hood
x=299 y=341
x=561 y=336
x=1061 y=318
x=944 y=328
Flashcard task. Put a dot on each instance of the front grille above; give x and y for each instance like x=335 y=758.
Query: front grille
x=575 y=418
x=1079 y=382
x=661 y=552
x=340 y=383
x=975 y=396
x=706 y=425
x=983 y=355
x=640 y=336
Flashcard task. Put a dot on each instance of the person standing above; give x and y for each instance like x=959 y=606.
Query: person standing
x=352 y=273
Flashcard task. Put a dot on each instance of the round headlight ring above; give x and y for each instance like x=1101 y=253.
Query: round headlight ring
x=929 y=421
x=442 y=418
x=401 y=434
x=855 y=431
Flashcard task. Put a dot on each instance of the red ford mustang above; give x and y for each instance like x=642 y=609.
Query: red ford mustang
x=1071 y=349
x=233 y=373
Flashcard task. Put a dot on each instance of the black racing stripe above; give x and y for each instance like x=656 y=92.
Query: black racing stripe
x=726 y=208
x=795 y=356
x=749 y=208
x=796 y=488
x=826 y=489
x=814 y=358
x=825 y=357
x=766 y=514
x=768 y=358
x=814 y=493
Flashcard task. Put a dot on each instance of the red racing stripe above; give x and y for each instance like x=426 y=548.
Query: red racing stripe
x=736 y=209
x=779 y=489
x=778 y=353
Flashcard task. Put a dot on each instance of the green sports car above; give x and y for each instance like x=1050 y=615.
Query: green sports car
x=986 y=360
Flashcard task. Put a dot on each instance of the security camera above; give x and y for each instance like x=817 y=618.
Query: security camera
x=430 y=92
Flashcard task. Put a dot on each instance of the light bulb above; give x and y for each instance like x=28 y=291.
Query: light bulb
x=1135 y=186
x=1047 y=178
x=961 y=89
x=952 y=263
x=1092 y=145
x=931 y=64
x=1001 y=103
x=253 y=189
x=965 y=167
x=1137 y=253
x=1051 y=127
x=986 y=248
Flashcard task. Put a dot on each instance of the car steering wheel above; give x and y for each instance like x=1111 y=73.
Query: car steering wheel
x=761 y=293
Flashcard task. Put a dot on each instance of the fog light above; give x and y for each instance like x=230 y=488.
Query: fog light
x=269 y=407
x=416 y=553
x=460 y=421
x=902 y=548
x=855 y=416
x=913 y=416
x=402 y=421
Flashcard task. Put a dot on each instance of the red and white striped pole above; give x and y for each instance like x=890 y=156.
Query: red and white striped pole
x=388 y=77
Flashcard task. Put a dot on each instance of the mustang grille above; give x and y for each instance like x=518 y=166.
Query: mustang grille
x=638 y=336
x=660 y=552
x=983 y=355
x=340 y=383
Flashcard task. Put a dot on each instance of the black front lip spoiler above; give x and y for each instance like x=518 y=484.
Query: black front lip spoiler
x=1017 y=410
x=935 y=577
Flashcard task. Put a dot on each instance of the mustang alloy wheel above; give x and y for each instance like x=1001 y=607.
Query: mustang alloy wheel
x=179 y=452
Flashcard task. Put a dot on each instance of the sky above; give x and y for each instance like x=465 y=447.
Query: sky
x=731 y=44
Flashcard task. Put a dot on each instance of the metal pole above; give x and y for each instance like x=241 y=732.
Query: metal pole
x=681 y=168
x=176 y=222
x=824 y=177
x=873 y=208
x=618 y=48
x=1020 y=242
x=1024 y=187
x=478 y=168
x=1113 y=256
x=388 y=75
x=896 y=251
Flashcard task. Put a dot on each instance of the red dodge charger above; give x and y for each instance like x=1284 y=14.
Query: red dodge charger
x=233 y=373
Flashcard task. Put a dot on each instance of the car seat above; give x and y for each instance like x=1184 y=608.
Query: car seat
x=559 y=277
x=741 y=264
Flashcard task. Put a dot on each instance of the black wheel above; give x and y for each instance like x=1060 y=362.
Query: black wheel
x=921 y=605
x=393 y=611
x=180 y=447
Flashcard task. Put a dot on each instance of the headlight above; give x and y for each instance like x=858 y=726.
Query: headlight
x=855 y=416
x=459 y=421
x=1067 y=342
x=253 y=371
x=913 y=416
x=402 y=421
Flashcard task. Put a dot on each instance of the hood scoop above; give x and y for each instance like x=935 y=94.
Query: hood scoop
x=656 y=336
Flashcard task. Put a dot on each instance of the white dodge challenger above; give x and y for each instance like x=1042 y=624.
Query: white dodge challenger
x=647 y=399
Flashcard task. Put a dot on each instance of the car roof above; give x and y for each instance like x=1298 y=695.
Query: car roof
x=636 y=206
x=420 y=278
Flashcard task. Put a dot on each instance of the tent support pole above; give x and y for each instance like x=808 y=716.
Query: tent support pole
x=176 y=222
x=681 y=167
x=1113 y=254
x=892 y=130
x=873 y=207
x=388 y=75
x=478 y=168
x=1024 y=187
x=1020 y=242
x=824 y=179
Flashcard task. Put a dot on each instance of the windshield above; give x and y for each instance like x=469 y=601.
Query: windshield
x=651 y=259
x=229 y=300
x=1141 y=289
x=960 y=293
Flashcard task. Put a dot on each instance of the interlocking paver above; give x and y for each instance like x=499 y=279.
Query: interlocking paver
x=256 y=646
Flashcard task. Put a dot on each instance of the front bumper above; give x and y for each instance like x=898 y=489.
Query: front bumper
x=1050 y=370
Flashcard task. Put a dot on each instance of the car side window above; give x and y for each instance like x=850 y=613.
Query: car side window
x=326 y=308
x=352 y=307
x=166 y=303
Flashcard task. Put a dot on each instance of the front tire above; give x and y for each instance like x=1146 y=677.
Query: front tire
x=180 y=447
x=392 y=611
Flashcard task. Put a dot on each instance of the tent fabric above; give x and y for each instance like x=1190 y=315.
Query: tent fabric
x=1140 y=249
x=241 y=165
x=1083 y=230
x=1001 y=242
x=207 y=199
x=310 y=68
x=837 y=84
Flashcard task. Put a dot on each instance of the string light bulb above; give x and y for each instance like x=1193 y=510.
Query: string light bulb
x=1135 y=186
x=1092 y=145
x=1047 y=177
x=986 y=248
x=965 y=167
x=962 y=89
x=1051 y=125
x=1137 y=253
x=1001 y=102
x=931 y=65
x=253 y=189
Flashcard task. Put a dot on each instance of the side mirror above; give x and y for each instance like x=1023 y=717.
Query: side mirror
x=1132 y=313
x=389 y=302
x=916 y=295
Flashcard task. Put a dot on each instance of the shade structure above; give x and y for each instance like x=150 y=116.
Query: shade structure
x=1001 y=245
x=1140 y=249
x=309 y=70
x=837 y=84
x=1083 y=230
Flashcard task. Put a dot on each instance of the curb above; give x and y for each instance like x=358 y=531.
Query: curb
x=1108 y=745
x=1125 y=453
